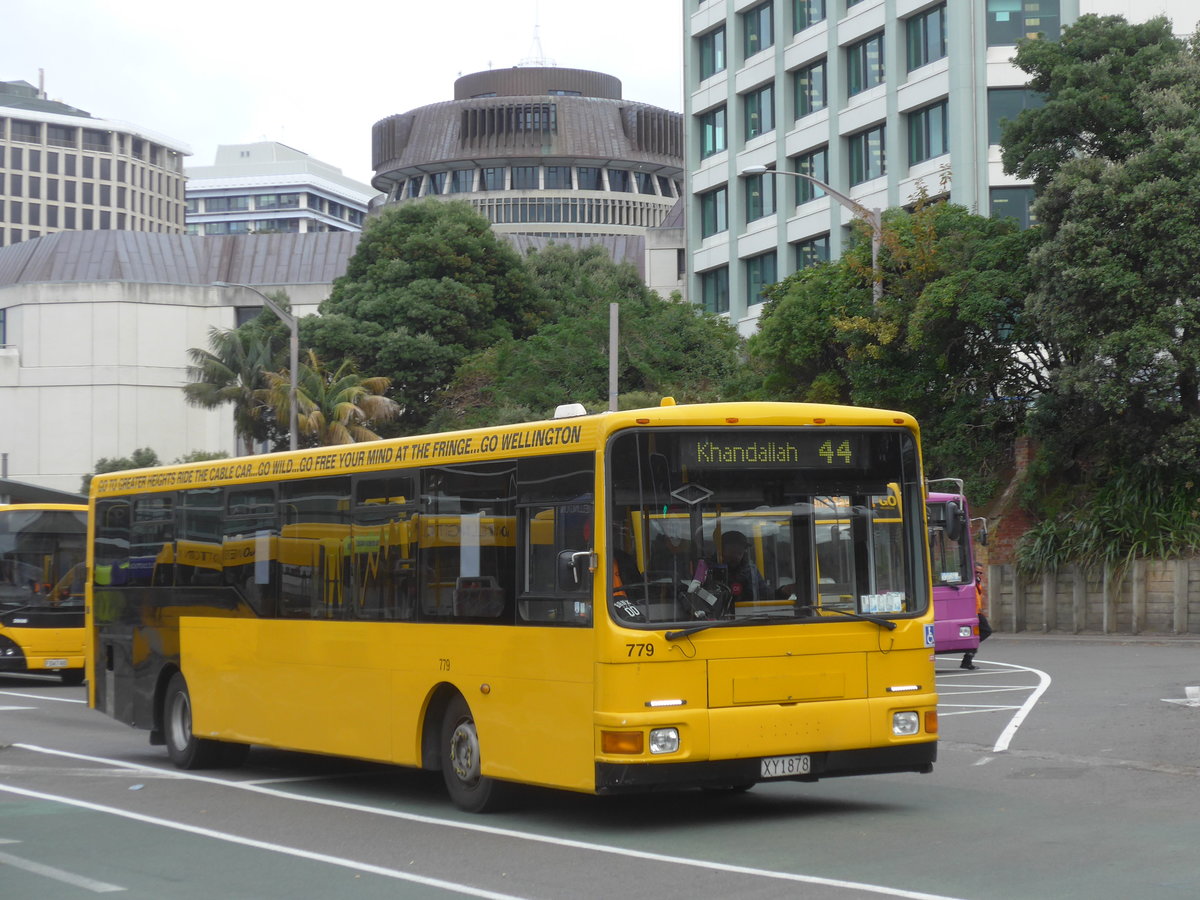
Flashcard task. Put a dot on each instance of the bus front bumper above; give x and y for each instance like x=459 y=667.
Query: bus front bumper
x=612 y=778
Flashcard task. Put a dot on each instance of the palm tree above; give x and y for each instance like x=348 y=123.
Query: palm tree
x=233 y=370
x=334 y=407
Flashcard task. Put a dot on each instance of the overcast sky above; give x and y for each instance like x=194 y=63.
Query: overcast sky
x=317 y=75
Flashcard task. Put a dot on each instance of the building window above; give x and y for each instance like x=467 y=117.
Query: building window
x=664 y=186
x=714 y=212
x=811 y=89
x=926 y=37
x=714 y=290
x=277 y=201
x=558 y=178
x=1008 y=21
x=760 y=111
x=928 y=135
x=760 y=196
x=806 y=14
x=760 y=272
x=60 y=136
x=644 y=182
x=712 y=132
x=618 y=180
x=712 y=52
x=461 y=181
x=866 y=155
x=816 y=165
x=590 y=178
x=16 y=184
x=26 y=132
x=1005 y=104
x=524 y=178
x=16 y=212
x=758 y=28
x=413 y=189
x=225 y=204
x=864 y=64
x=16 y=158
x=812 y=251
x=1015 y=203
x=491 y=178
x=35 y=187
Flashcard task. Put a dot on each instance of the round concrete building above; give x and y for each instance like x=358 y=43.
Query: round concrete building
x=544 y=153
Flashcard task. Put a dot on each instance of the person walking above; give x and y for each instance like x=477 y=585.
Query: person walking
x=985 y=627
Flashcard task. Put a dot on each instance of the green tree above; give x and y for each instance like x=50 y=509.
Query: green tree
x=142 y=458
x=428 y=285
x=1115 y=289
x=232 y=371
x=665 y=347
x=947 y=341
x=1091 y=79
x=336 y=406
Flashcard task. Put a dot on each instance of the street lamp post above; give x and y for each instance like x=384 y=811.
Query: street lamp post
x=873 y=218
x=294 y=327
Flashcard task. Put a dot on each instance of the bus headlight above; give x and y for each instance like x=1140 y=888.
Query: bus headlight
x=906 y=723
x=664 y=740
x=965 y=630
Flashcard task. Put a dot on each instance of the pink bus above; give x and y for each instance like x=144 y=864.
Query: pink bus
x=952 y=558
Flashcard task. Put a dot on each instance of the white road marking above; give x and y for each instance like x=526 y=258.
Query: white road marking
x=1010 y=730
x=444 y=823
x=15 y=708
x=40 y=697
x=1191 y=697
x=88 y=884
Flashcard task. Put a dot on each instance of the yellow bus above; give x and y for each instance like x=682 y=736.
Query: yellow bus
x=42 y=551
x=500 y=604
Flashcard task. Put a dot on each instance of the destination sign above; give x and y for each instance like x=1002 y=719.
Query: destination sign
x=822 y=449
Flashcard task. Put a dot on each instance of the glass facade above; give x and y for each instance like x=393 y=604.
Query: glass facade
x=928 y=133
x=866 y=150
x=759 y=107
x=926 y=34
x=1009 y=21
x=864 y=64
x=810 y=84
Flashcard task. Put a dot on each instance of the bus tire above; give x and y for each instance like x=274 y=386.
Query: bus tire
x=470 y=790
x=71 y=676
x=185 y=749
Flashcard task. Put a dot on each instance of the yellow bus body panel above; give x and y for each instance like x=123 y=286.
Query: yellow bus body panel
x=790 y=689
x=43 y=645
x=361 y=689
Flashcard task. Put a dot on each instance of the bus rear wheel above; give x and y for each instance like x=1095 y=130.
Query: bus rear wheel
x=461 y=762
x=185 y=749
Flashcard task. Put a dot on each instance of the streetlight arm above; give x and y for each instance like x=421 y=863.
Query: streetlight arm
x=873 y=216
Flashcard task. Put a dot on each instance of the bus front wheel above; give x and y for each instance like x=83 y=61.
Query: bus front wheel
x=185 y=749
x=468 y=787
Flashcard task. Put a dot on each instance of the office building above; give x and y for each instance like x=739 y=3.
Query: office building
x=270 y=188
x=95 y=329
x=546 y=154
x=878 y=99
x=61 y=169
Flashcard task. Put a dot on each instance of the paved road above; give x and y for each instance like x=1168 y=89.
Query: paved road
x=1063 y=772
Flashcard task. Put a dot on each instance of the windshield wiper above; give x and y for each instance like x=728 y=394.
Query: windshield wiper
x=865 y=617
x=724 y=623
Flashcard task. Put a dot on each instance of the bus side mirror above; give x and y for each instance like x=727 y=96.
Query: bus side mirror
x=575 y=569
x=983 y=531
x=955 y=526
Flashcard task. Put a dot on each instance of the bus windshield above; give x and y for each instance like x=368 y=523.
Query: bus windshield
x=764 y=525
x=41 y=557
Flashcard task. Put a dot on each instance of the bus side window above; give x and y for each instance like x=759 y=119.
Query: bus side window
x=556 y=540
x=466 y=542
x=314 y=547
x=384 y=546
x=250 y=548
x=198 y=538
